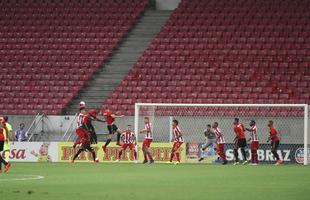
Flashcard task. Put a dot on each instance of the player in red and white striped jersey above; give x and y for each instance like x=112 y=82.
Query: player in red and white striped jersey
x=147 y=140
x=79 y=122
x=254 y=142
x=128 y=139
x=178 y=141
x=220 y=142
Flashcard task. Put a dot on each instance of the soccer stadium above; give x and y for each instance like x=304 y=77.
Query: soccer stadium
x=154 y=99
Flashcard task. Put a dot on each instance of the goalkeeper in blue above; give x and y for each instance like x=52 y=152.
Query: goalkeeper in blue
x=210 y=140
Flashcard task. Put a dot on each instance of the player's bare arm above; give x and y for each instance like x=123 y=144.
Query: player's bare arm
x=117 y=116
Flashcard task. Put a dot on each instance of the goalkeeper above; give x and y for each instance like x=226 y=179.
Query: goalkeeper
x=210 y=139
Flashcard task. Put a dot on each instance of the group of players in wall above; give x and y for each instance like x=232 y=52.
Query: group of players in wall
x=86 y=136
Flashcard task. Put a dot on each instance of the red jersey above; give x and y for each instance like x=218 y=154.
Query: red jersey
x=128 y=137
x=177 y=135
x=253 y=134
x=108 y=117
x=2 y=131
x=239 y=128
x=274 y=134
x=148 y=128
x=219 y=137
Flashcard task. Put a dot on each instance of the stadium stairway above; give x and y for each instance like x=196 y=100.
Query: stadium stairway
x=108 y=77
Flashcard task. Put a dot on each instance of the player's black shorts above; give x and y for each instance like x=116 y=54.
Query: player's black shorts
x=240 y=143
x=1 y=145
x=275 y=145
x=112 y=128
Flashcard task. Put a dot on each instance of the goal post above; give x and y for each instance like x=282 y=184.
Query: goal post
x=291 y=121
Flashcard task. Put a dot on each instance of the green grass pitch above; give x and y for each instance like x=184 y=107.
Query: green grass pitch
x=159 y=181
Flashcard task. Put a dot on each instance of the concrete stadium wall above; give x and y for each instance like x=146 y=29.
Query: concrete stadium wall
x=167 y=4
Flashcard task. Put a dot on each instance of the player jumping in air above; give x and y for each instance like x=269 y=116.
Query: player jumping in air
x=79 y=121
x=275 y=141
x=220 y=147
x=240 y=141
x=3 y=140
x=254 y=142
x=128 y=139
x=210 y=139
x=178 y=141
x=112 y=128
x=147 y=140
x=84 y=136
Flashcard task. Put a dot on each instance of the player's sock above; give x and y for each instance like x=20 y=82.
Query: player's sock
x=150 y=156
x=120 y=154
x=243 y=153
x=135 y=154
x=2 y=161
x=171 y=156
x=236 y=155
x=77 y=153
x=118 y=137
x=177 y=154
x=275 y=154
x=107 y=142
x=145 y=156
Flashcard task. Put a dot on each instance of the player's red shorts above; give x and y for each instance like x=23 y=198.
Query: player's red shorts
x=83 y=135
x=131 y=146
x=254 y=145
x=177 y=145
x=147 y=142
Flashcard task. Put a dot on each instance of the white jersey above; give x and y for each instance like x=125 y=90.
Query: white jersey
x=253 y=134
x=177 y=135
x=148 y=128
x=80 y=120
x=219 y=137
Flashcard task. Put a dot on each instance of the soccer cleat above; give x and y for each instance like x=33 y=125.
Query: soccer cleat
x=104 y=148
x=96 y=160
x=279 y=162
x=117 y=160
x=245 y=162
x=169 y=162
x=177 y=162
x=200 y=159
x=225 y=162
x=6 y=167
x=151 y=161
x=144 y=161
x=71 y=161
x=236 y=163
x=135 y=161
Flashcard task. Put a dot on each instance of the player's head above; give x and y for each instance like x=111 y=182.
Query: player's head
x=175 y=122
x=129 y=128
x=2 y=121
x=146 y=119
x=6 y=118
x=215 y=125
x=236 y=121
x=252 y=122
x=22 y=126
x=270 y=123
x=209 y=127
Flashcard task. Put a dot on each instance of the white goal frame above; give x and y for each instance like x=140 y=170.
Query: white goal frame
x=304 y=106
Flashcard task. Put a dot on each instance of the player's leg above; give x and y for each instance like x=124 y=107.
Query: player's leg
x=123 y=149
x=92 y=151
x=133 y=150
x=242 y=145
x=274 y=149
x=220 y=149
x=173 y=150
x=78 y=132
x=104 y=147
x=118 y=136
x=236 y=153
x=144 y=149
x=6 y=152
x=254 y=155
x=2 y=161
x=177 y=152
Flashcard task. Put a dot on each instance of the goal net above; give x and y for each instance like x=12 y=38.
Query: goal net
x=290 y=120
